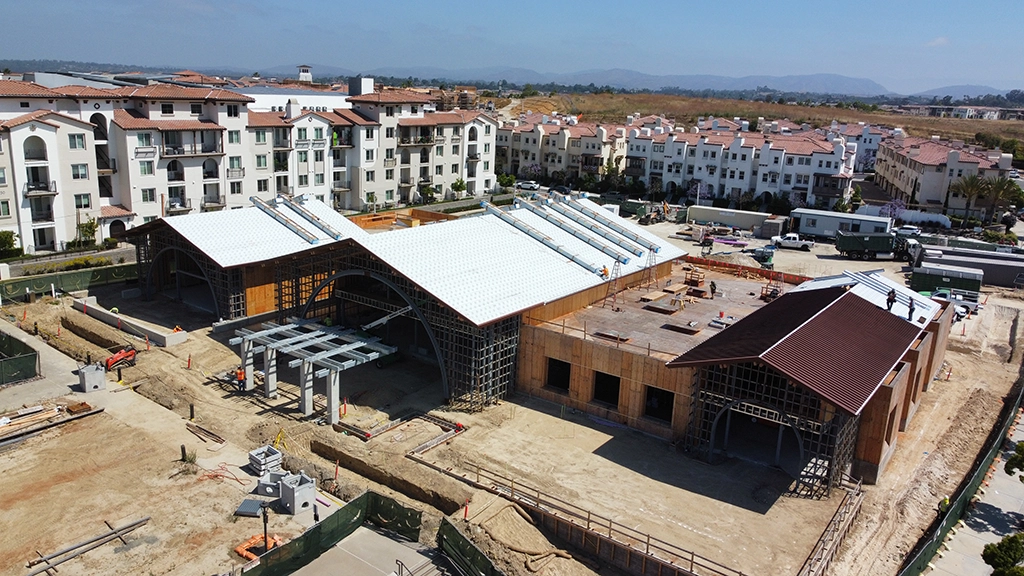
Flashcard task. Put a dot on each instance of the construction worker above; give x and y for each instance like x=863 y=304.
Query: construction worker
x=890 y=299
x=943 y=505
x=240 y=378
x=714 y=288
x=604 y=271
x=910 y=311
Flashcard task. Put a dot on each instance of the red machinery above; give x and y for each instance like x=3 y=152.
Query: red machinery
x=123 y=358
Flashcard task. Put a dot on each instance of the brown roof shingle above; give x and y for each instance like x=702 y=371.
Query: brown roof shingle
x=133 y=120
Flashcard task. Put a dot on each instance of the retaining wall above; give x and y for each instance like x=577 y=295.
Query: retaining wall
x=90 y=308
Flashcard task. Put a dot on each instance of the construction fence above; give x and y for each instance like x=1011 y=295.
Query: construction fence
x=367 y=507
x=18 y=361
x=463 y=553
x=69 y=281
x=918 y=560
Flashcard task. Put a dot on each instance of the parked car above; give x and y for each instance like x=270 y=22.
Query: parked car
x=527 y=185
x=1014 y=174
x=792 y=240
x=908 y=230
x=561 y=189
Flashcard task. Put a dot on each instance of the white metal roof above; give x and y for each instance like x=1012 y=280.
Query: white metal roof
x=249 y=235
x=874 y=287
x=843 y=215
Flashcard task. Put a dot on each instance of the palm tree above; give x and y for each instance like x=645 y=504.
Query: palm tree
x=970 y=187
x=1002 y=190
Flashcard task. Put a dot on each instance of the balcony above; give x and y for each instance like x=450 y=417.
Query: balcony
x=415 y=140
x=406 y=181
x=210 y=175
x=234 y=173
x=634 y=171
x=179 y=206
x=177 y=150
x=590 y=169
x=106 y=168
x=175 y=175
x=285 y=189
x=39 y=189
x=280 y=166
x=144 y=152
x=35 y=155
x=282 y=143
x=389 y=162
x=319 y=143
x=456 y=139
x=341 y=139
x=425 y=179
x=42 y=216
x=439 y=139
x=341 y=186
x=473 y=157
x=212 y=201
x=301 y=144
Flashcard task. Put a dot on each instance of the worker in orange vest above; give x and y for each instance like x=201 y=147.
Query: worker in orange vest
x=240 y=376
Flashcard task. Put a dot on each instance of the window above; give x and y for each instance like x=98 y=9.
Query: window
x=487 y=129
x=146 y=167
x=369 y=133
x=197 y=108
x=147 y=219
x=232 y=110
x=743 y=175
x=166 y=108
x=318 y=155
x=369 y=176
x=261 y=161
x=389 y=195
x=820 y=163
x=318 y=179
x=764 y=177
x=389 y=153
x=79 y=172
x=455 y=150
x=658 y=404
x=83 y=201
x=389 y=174
x=487 y=165
x=145 y=139
x=24 y=104
x=487 y=147
x=714 y=154
x=234 y=137
x=414 y=109
x=743 y=157
x=302 y=134
x=789 y=161
x=559 y=374
x=733 y=155
x=261 y=136
x=606 y=388
x=438 y=170
x=149 y=194
x=5 y=208
x=235 y=162
x=318 y=133
x=262 y=185
x=455 y=132
x=303 y=156
x=3 y=177
x=455 y=168
x=389 y=111
x=439 y=151
x=692 y=153
x=844 y=226
x=236 y=187
x=76 y=141
x=369 y=155
x=303 y=179
x=389 y=133
x=787 y=179
x=440 y=131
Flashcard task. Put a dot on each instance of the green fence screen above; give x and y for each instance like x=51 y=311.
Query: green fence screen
x=18 y=361
x=68 y=281
x=464 y=553
x=926 y=548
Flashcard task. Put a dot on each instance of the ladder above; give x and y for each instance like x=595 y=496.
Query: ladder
x=650 y=276
x=613 y=285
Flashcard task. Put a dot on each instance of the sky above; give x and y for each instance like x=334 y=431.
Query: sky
x=905 y=45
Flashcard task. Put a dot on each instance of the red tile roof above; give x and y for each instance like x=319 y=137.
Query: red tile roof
x=172 y=92
x=18 y=89
x=202 y=79
x=76 y=91
x=354 y=118
x=936 y=152
x=134 y=120
x=267 y=120
x=858 y=129
x=38 y=116
x=830 y=340
x=115 y=211
x=337 y=117
x=392 y=97
x=435 y=118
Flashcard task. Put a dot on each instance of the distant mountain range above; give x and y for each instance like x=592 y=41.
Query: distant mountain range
x=616 y=78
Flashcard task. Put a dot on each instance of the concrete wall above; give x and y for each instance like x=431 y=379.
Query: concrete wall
x=636 y=371
x=90 y=308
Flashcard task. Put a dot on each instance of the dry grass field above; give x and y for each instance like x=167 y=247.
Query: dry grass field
x=615 y=108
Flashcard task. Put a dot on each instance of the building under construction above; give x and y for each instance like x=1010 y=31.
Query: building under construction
x=455 y=291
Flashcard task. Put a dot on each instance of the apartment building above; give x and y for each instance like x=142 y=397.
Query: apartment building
x=867 y=138
x=919 y=171
x=418 y=154
x=810 y=169
x=560 y=147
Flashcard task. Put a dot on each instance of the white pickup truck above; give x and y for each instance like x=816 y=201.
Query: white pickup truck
x=792 y=240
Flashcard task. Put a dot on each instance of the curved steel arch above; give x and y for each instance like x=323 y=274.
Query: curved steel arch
x=152 y=266
x=785 y=415
x=402 y=295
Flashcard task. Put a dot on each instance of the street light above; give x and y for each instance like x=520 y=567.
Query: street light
x=264 y=507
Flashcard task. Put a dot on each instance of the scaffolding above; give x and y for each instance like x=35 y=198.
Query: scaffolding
x=478 y=362
x=827 y=435
x=159 y=256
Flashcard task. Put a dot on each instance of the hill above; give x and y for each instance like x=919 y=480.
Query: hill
x=961 y=90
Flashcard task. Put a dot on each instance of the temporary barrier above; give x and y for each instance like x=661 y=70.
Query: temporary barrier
x=18 y=361
x=67 y=281
x=462 y=552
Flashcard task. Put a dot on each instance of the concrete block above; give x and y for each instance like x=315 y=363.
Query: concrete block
x=298 y=492
x=270 y=484
x=92 y=378
x=265 y=460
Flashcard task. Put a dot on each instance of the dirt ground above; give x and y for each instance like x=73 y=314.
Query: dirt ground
x=731 y=513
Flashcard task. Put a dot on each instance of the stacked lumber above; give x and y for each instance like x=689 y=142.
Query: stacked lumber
x=11 y=423
x=204 y=434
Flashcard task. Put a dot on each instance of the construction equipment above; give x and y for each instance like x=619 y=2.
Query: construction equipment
x=279 y=441
x=764 y=256
x=125 y=357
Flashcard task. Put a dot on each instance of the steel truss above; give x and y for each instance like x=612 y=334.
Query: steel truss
x=152 y=252
x=478 y=363
x=827 y=435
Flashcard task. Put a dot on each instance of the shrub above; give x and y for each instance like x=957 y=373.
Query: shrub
x=109 y=243
x=80 y=263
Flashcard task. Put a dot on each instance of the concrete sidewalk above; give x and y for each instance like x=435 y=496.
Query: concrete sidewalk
x=998 y=513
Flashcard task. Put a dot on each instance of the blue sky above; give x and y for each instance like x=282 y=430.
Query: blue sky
x=905 y=45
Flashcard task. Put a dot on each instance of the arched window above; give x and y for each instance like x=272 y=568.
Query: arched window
x=175 y=172
x=99 y=122
x=472 y=134
x=209 y=169
x=424 y=156
x=35 y=149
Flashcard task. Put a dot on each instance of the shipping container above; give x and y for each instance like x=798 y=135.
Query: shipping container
x=930 y=276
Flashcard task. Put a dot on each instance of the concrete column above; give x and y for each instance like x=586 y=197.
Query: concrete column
x=247 y=363
x=333 y=381
x=306 y=388
x=270 y=372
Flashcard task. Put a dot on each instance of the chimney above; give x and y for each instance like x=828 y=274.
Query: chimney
x=359 y=86
x=292 y=109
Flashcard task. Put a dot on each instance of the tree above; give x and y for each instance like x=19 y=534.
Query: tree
x=506 y=181
x=7 y=240
x=970 y=187
x=459 y=186
x=529 y=91
x=856 y=198
x=371 y=198
x=1003 y=190
x=1005 y=555
x=87 y=231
